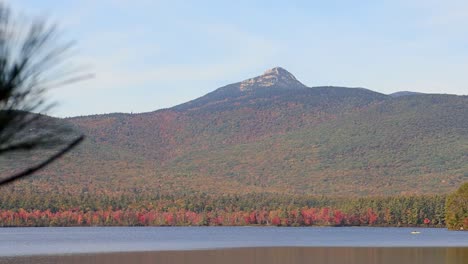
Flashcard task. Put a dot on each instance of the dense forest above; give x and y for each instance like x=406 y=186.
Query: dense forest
x=21 y=209
x=283 y=138
x=350 y=156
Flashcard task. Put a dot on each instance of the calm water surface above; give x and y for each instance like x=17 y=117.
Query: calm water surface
x=39 y=241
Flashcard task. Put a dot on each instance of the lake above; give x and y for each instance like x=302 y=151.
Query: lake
x=70 y=240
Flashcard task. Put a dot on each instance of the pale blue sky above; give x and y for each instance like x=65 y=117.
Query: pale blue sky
x=149 y=55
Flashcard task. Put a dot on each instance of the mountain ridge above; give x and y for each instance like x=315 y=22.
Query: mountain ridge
x=404 y=93
x=234 y=89
x=320 y=141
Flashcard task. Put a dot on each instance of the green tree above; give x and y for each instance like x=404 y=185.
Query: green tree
x=456 y=211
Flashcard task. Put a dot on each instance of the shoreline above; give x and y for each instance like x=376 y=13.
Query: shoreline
x=261 y=255
x=219 y=226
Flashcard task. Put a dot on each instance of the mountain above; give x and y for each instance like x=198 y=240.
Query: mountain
x=404 y=93
x=271 y=133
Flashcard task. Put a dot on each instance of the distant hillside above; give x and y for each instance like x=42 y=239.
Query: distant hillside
x=403 y=93
x=272 y=133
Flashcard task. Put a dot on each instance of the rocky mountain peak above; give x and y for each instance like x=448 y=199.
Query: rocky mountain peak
x=275 y=77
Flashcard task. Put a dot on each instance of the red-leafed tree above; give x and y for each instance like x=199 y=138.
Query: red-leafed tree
x=338 y=217
x=371 y=216
x=427 y=221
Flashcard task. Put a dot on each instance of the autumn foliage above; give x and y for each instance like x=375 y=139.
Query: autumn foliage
x=229 y=211
x=303 y=217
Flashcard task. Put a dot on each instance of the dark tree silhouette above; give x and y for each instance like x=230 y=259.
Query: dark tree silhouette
x=33 y=59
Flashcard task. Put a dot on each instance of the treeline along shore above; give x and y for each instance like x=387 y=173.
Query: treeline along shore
x=19 y=209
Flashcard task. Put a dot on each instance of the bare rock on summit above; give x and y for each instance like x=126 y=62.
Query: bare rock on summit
x=277 y=77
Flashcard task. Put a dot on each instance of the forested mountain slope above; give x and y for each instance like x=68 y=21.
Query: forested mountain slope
x=272 y=133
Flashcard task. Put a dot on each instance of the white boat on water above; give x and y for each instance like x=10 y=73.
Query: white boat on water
x=415 y=232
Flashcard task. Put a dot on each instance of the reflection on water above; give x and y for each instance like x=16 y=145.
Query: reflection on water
x=283 y=255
